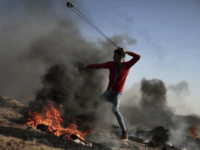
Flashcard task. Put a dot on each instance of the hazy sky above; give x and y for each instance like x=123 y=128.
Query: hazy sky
x=167 y=34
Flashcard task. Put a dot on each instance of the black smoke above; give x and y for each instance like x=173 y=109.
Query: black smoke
x=150 y=108
x=63 y=83
x=40 y=49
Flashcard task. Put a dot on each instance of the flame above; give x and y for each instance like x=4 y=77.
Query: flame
x=193 y=131
x=51 y=117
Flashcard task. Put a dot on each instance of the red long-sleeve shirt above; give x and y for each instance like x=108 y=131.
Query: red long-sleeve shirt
x=117 y=81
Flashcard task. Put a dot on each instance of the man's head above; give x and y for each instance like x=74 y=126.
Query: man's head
x=119 y=55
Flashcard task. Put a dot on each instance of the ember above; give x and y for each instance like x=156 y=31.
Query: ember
x=193 y=131
x=51 y=118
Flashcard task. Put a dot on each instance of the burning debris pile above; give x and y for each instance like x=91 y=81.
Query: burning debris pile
x=51 y=118
x=70 y=107
x=59 y=110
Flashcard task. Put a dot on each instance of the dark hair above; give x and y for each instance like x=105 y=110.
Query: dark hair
x=119 y=52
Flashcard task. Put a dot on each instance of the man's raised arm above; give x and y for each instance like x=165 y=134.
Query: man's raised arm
x=135 y=58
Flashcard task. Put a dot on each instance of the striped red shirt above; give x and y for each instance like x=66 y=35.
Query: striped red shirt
x=117 y=81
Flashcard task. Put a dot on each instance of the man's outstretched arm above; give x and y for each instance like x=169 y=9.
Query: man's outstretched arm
x=135 y=58
x=97 y=66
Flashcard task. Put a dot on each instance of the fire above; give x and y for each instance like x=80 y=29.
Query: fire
x=193 y=131
x=51 y=117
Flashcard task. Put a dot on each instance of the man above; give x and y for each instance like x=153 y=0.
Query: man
x=119 y=70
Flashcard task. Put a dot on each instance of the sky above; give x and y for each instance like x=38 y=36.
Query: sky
x=167 y=34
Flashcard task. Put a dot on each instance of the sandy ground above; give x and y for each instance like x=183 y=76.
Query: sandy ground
x=16 y=135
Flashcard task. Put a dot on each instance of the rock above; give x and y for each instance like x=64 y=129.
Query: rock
x=164 y=148
x=160 y=135
x=79 y=142
x=89 y=144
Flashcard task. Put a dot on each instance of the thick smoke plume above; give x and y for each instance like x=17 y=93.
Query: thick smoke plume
x=43 y=66
x=148 y=109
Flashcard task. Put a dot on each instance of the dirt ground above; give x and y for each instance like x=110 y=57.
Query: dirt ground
x=16 y=135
